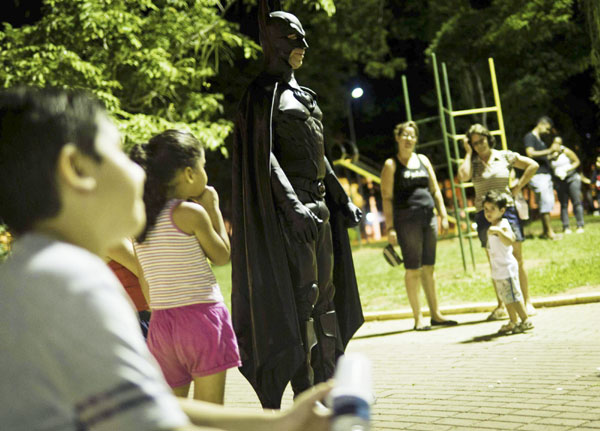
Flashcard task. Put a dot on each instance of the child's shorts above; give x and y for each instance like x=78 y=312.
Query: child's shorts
x=509 y=290
x=193 y=341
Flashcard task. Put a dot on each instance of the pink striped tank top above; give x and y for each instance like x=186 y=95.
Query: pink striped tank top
x=175 y=266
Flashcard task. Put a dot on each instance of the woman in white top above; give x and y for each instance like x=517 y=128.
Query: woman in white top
x=567 y=183
x=489 y=170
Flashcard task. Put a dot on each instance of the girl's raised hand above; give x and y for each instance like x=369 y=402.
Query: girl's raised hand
x=208 y=199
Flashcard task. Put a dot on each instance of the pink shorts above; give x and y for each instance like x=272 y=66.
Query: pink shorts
x=193 y=341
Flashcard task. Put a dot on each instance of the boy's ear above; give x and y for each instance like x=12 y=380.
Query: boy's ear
x=74 y=168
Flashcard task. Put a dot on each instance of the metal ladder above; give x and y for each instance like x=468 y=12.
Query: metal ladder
x=446 y=116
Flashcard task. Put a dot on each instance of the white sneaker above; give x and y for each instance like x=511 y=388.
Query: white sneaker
x=579 y=230
x=567 y=231
x=531 y=311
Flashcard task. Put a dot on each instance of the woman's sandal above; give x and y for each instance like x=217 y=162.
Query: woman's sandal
x=443 y=322
x=508 y=328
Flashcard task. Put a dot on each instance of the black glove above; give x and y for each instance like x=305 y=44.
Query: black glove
x=301 y=221
x=352 y=214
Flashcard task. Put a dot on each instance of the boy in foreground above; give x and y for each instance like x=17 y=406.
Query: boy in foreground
x=73 y=355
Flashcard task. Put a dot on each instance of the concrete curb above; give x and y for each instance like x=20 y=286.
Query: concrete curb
x=482 y=307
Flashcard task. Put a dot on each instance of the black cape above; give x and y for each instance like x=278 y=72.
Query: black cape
x=263 y=308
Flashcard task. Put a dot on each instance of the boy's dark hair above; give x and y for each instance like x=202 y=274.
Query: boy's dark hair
x=497 y=198
x=545 y=119
x=161 y=158
x=35 y=124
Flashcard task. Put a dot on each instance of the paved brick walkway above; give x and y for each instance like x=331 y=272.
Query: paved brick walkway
x=467 y=378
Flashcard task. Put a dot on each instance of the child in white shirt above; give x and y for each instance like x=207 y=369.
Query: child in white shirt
x=505 y=269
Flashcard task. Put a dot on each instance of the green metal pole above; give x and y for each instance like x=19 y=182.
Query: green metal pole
x=406 y=99
x=457 y=158
x=438 y=91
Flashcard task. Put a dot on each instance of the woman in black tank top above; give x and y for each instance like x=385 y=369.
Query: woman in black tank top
x=410 y=191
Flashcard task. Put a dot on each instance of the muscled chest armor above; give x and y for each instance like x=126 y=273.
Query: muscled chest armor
x=298 y=134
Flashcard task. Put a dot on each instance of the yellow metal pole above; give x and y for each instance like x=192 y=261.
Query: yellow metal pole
x=347 y=163
x=497 y=101
x=472 y=111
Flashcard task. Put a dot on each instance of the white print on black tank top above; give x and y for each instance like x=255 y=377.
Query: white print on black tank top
x=411 y=174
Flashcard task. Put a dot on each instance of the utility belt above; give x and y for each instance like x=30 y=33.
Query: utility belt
x=314 y=187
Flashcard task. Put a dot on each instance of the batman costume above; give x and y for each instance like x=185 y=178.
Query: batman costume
x=295 y=302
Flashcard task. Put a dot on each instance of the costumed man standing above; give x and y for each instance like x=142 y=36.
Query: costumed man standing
x=295 y=301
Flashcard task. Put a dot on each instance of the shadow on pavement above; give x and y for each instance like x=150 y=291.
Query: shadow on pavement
x=404 y=331
x=481 y=338
x=488 y=337
x=381 y=334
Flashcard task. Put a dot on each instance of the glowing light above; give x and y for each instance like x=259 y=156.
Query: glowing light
x=357 y=93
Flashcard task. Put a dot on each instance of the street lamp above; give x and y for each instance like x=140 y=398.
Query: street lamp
x=372 y=217
x=356 y=93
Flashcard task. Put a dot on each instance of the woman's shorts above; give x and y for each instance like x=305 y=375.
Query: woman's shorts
x=513 y=219
x=193 y=341
x=544 y=192
x=509 y=290
x=417 y=235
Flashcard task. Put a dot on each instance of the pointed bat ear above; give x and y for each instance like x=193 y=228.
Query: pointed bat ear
x=263 y=16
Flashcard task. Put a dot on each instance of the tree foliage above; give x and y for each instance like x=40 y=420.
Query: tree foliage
x=536 y=45
x=184 y=63
x=592 y=12
x=150 y=61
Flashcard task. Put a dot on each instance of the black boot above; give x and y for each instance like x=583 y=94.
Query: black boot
x=324 y=354
x=304 y=376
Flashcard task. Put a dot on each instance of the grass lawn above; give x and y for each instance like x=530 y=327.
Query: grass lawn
x=569 y=265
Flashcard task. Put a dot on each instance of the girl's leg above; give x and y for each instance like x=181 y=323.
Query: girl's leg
x=210 y=388
x=562 y=190
x=412 y=279
x=575 y=194
x=182 y=391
